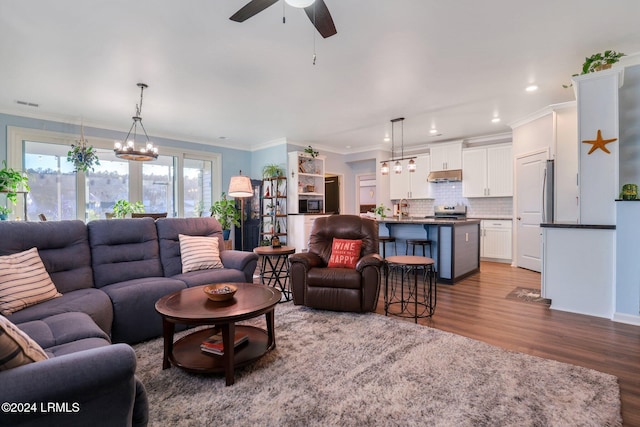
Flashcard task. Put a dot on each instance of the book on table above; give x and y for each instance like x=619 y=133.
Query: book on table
x=214 y=344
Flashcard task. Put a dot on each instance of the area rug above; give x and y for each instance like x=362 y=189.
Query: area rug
x=527 y=295
x=343 y=369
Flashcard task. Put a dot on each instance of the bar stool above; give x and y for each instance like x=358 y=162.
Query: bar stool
x=418 y=242
x=404 y=298
x=388 y=239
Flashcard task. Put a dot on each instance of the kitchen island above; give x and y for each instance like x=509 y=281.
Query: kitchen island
x=455 y=243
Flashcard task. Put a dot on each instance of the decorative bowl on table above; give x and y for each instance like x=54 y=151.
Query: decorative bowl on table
x=220 y=291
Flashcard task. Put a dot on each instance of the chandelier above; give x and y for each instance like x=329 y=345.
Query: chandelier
x=127 y=149
x=397 y=166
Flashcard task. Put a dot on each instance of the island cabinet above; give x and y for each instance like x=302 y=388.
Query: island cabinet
x=455 y=245
x=411 y=185
x=487 y=171
x=495 y=240
x=446 y=156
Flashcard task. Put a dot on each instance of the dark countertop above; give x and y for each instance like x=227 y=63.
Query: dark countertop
x=430 y=221
x=574 y=225
x=492 y=218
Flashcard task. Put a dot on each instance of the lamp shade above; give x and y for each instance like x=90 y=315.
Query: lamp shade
x=240 y=186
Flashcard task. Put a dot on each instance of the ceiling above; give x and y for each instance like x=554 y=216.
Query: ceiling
x=450 y=65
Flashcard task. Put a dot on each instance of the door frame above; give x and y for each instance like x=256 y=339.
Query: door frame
x=340 y=189
x=546 y=150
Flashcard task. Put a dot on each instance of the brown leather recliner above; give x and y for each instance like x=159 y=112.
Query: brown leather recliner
x=341 y=289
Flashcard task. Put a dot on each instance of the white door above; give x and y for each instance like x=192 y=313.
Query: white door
x=529 y=182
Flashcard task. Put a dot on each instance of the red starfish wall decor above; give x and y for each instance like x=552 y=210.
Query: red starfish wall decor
x=599 y=143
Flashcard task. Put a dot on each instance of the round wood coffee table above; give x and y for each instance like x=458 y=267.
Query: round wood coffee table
x=192 y=307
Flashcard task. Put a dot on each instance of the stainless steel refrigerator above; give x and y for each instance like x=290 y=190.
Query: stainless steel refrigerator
x=548 y=192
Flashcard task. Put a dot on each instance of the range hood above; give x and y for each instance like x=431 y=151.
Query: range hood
x=454 y=175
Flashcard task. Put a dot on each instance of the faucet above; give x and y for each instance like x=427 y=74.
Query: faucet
x=404 y=203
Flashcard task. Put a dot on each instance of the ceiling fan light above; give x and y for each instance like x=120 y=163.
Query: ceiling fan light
x=299 y=3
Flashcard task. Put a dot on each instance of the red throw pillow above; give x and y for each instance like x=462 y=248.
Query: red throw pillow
x=345 y=253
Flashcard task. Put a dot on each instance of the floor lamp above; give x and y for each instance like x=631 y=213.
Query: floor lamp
x=240 y=187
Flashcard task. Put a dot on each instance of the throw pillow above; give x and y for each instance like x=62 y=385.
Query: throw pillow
x=16 y=347
x=24 y=281
x=199 y=253
x=345 y=253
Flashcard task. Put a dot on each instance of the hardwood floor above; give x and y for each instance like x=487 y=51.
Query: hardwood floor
x=477 y=308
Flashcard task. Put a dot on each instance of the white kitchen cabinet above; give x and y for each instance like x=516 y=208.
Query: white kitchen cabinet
x=411 y=185
x=446 y=156
x=305 y=179
x=495 y=239
x=487 y=171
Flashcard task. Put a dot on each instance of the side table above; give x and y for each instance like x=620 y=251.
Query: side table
x=274 y=269
x=399 y=270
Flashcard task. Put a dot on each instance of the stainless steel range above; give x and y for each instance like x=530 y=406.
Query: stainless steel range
x=450 y=212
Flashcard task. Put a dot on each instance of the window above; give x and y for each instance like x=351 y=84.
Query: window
x=52 y=181
x=197 y=174
x=158 y=187
x=178 y=183
x=108 y=182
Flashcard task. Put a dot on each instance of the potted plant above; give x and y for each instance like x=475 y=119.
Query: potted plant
x=598 y=62
x=225 y=211
x=310 y=151
x=272 y=170
x=12 y=181
x=380 y=211
x=4 y=212
x=82 y=155
x=123 y=208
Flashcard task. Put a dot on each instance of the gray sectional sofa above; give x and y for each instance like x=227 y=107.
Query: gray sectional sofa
x=110 y=274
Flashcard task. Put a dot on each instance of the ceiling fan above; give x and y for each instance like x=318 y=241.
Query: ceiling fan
x=317 y=12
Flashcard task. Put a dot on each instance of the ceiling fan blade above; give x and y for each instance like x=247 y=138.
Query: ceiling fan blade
x=322 y=19
x=251 y=8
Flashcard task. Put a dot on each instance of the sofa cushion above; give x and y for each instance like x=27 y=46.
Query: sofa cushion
x=16 y=348
x=134 y=316
x=62 y=328
x=24 y=281
x=205 y=277
x=62 y=245
x=93 y=302
x=341 y=278
x=199 y=253
x=170 y=228
x=124 y=249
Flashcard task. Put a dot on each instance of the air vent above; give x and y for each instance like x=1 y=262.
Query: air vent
x=28 y=104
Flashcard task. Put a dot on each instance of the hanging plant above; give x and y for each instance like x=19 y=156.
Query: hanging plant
x=82 y=155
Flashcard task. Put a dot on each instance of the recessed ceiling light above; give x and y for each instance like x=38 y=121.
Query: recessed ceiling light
x=348 y=146
x=387 y=139
x=495 y=120
x=531 y=88
x=433 y=131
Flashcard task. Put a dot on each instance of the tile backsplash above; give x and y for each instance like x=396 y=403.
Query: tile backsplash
x=451 y=194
